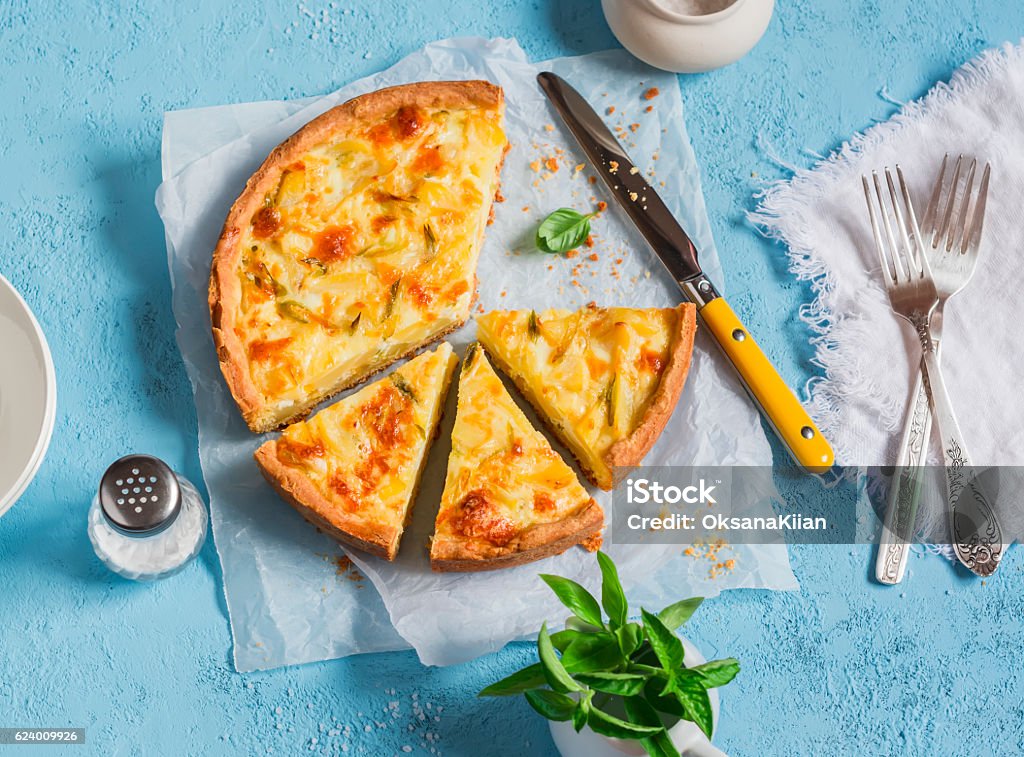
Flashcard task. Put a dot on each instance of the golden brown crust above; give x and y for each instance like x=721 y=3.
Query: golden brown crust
x=535 y=543
x=628 y=452
x=225 y=287
x=299 y=492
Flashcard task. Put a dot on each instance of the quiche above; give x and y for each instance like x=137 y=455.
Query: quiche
x=604 y=379
x=354 y=244
x=354 y=467
x=508 y=498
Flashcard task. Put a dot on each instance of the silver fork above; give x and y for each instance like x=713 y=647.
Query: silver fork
x=914 y=295
x=952 y=237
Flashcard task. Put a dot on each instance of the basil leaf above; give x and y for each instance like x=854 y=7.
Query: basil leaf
x=551 y=704
x=621 y=684
x=562 y=639
x=630 y=636
x=564 y=230
x=555 y=673
x=717 y=672
x=530 y=677
x=592 y=652
x=613 y=598
x=677 y=614
x=694 y=698
x=641 y=712
x=609 y=725
x=579 y=625
x=579 y=715
x=664 y=642
x=576 y=598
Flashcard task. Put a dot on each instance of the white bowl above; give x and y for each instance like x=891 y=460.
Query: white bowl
x=28 y=396
x=673 y=35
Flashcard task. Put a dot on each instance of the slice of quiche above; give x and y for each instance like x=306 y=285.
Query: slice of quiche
x=508 y=498
x=605 y=379
x=354 y=244
x=353 y=468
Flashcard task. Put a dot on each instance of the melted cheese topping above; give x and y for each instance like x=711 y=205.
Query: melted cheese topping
x=591 y=372
x=364 y=454
x=503 y=475
x=366 y=249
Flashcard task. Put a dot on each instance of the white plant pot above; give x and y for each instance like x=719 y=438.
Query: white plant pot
x=687 y=737
x=661 y=33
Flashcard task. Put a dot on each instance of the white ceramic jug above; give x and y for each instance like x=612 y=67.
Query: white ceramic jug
x=688 y=36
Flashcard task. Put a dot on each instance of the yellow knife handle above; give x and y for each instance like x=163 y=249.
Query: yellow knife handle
x=778 y=403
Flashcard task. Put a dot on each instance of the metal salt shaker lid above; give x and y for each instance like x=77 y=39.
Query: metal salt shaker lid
x=139 y=495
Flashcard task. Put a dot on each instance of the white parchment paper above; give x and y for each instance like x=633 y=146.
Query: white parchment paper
x=287 y=598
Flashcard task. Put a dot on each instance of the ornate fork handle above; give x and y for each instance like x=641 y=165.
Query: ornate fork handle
x=977 y=536
x=905 y=490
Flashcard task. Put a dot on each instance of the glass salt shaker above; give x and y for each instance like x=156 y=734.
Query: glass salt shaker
x=146 y=522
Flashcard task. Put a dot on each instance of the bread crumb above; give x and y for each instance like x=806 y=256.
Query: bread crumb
x=593 y=257
x=535 y=166
x=651 y=93
x=634 y=170
x=549 y=127
x=610 y=110
x=551 y=164
x=648 y=109
x=589 y=242
x=571 y=253
x=344 y=567
x=613 y=166
x=602 y=206
x=633 y=127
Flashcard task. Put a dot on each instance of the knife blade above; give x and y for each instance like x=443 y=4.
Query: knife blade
x=678 y=254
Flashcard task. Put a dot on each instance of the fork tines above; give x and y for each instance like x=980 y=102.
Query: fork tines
x=900 y=251
x=971 y=215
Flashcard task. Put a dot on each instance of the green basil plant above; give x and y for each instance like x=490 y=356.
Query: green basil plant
x=623 y=679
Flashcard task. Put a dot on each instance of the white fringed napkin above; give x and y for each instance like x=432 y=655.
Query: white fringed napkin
x=867 y=354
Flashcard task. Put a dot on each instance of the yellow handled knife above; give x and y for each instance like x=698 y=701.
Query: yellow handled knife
x=675 y=249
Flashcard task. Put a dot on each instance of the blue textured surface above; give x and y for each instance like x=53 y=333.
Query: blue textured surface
x=842 y=667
